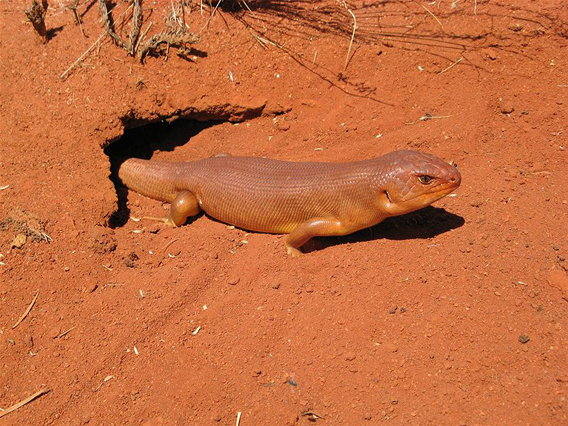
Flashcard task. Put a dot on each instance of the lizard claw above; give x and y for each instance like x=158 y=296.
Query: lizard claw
x=165 y=220
x=294 y=252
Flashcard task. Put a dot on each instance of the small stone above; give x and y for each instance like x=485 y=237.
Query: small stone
x=18 y=241
x=275 y=286
x=523 y=338
x=350 y=356
x=156 y=421
x=129 y=263
x=130 y=260
x=154 y=229
x=393 y=310
x=367 y=416
x=402 y=310
x=293 y=420
x=256 y=373
x=491 y=54
x=559 y=279
x=283 y=126
x=133 y=256
x=92 y=288
x=555 y=248
x=506 y=108
x=391 y=347
x=216 y=417
x=234 y=281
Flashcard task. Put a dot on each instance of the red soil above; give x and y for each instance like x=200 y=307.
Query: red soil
x=454 y=315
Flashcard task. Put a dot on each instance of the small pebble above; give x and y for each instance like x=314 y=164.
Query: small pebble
x=390 y=347
x=19 y=241
x=523 y=338
x=393 y=310
x=275 y=286
x=507 y=108
x=293 y=420
x=350 y=356
x=234 y=281
x=154 y=229
x=559 y=279
x=491 y=54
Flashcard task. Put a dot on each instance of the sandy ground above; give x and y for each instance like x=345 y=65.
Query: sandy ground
x=456 y=314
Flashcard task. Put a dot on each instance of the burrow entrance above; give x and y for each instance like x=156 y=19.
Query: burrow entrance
x=142 y=142
x=142 y=138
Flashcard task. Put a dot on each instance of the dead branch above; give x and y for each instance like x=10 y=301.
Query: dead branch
x=36 y=15
x=178 y=38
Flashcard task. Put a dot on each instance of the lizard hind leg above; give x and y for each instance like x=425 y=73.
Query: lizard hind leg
x=316 y=227
x=183 y=206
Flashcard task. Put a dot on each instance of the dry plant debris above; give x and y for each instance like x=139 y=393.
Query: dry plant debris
x=76 y=17
x=36 y=15
x=161 y=42
x=109 y=24
x=176 y=35
x=24 y=402
x=27 y=311
x=27 y=224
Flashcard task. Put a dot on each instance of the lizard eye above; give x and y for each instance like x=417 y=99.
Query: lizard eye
x=425 y=179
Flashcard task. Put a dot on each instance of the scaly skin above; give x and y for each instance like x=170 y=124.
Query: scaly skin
x=303 y=200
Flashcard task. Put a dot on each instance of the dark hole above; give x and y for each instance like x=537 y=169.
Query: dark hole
x=141 y=142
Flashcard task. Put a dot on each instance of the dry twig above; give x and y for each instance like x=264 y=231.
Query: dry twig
x=451 y=66
x=352 y=34
x=135 y=29
x=83 y=56
x=90 y=49
x=25 y=314
x=73 y=8
x=109 y=24
x=427 y=117
x=63 y=333
x=24 y=402
x=178 y=38
x=433 y=16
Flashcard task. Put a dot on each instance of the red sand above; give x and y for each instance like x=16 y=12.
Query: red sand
x=420 y=320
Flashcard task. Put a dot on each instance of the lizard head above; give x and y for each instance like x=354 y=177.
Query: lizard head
x=416 y=180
